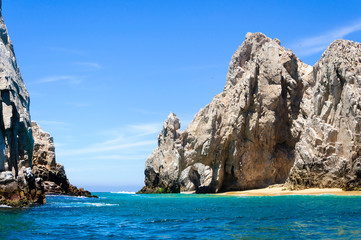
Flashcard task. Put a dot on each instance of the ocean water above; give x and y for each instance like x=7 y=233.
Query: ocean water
x=180 y=216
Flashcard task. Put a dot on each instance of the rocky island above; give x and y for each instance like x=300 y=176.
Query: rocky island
x=27 y=170
x=277 y=121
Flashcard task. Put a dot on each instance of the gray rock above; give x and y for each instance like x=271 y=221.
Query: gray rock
x=47 y=169
x=162 y=167
x=277 y=120
x=329 y=151
x=16 y=141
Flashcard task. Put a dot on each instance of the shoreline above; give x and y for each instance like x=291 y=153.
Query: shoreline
x=282 y=191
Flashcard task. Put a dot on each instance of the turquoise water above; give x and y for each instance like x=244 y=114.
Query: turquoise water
x=178 y=216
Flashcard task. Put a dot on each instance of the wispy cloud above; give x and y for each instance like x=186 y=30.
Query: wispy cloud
x=201 y=67
x=64 y=78
x=132 y=142
x=80 y=170
x=132 y=131
x=89 y=65
x=146 y=129
x=312 y=45
x=66 y=50
x=101 y=149
x=116 y=157
x=52 y=123
x=147 y=112
x=128 y=145
x=58 y=144
x=78 y=104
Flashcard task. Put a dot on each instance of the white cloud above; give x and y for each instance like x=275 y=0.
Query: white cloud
x=52 y=123
x=133 y=131
x=66 y=50
x=65 y=78
x=146 y=129
x=116 y=157
x=78 y=104
x=82 y=169
x=89 y=65
x=147 y=112
x=130 y=143
x=100 y=149
x=45 y=125
x=312 y=45
x=205 y=66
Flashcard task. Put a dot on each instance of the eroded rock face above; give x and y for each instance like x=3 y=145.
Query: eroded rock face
x=329 y=151
x=46 y=168
x=246 y=135
x=162 y=167
x=44 y=163
x=17 y=184
x=277 y=120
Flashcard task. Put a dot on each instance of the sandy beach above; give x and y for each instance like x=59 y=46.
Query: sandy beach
x=278 y=191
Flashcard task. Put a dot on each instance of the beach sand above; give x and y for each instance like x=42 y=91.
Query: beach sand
x=279 y=191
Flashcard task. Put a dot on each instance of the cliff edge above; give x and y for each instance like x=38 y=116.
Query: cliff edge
x=18 y=186
x=278 y=120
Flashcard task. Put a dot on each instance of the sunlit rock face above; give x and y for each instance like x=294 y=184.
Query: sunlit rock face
x=278 y=120
x=246 y=135
x=329 y=151
x=17 y=184
x=162 y=167
x=45 y=166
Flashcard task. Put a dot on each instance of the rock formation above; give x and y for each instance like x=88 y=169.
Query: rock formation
x=162 y=167
x=329 y=151
x=18 y=186
x=46 y=168
x=278 y=120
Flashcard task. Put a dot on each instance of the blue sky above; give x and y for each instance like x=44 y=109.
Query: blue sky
x=104 y=75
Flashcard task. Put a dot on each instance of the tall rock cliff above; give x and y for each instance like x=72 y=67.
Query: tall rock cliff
x=329 y=151
x=17 y=183
x=45 y=166
x=277 y=120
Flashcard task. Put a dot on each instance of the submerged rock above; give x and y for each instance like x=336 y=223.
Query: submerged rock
x=277 y=120
x=18 y=186
x=46 y=168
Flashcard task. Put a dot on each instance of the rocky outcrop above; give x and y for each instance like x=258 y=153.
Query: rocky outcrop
x=277 y=120
x=18 y=186
x=162 y=167
x=46 y=167
x=329 y=151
